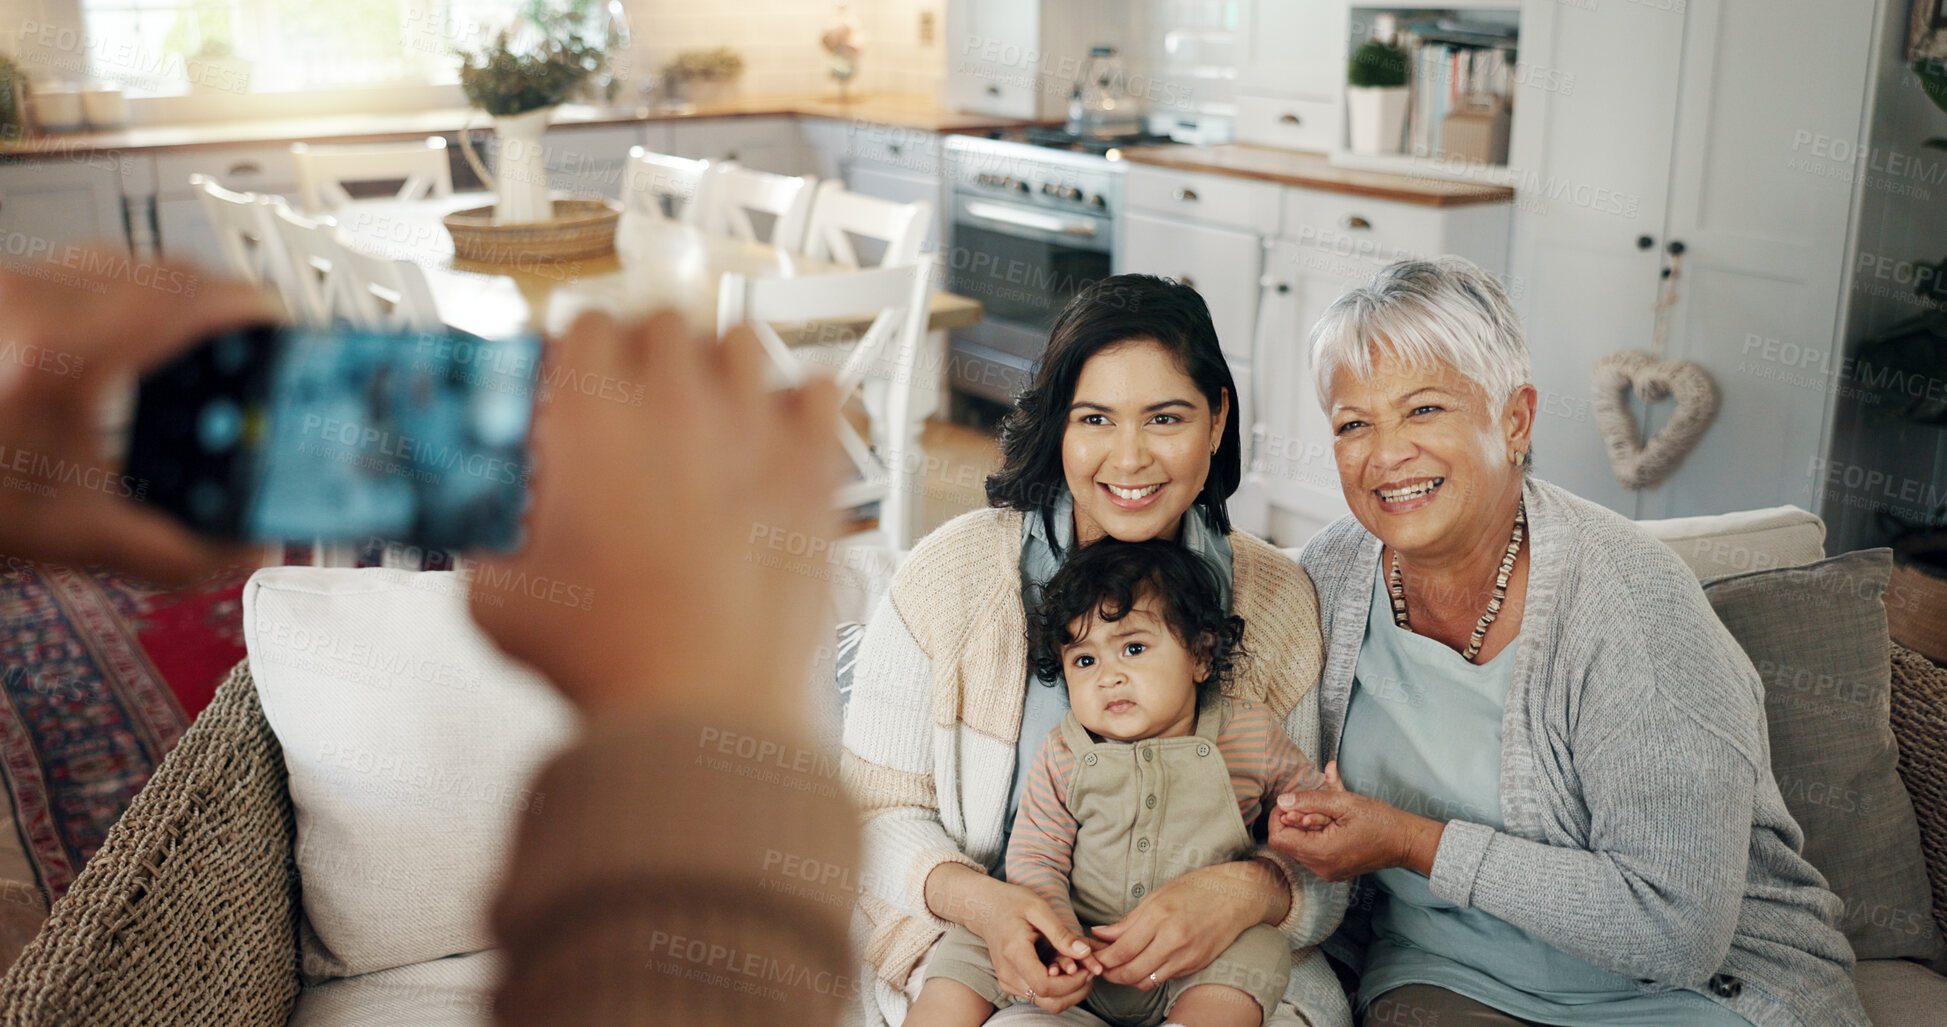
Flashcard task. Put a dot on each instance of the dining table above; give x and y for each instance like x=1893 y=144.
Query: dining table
x=657 y=263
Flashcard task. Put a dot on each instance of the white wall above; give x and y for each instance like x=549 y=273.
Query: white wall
x=779 y=42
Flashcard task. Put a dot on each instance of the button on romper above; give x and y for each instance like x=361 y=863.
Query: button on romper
x=1145 y=813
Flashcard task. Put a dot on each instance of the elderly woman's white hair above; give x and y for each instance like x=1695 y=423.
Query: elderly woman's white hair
x=1448 y=310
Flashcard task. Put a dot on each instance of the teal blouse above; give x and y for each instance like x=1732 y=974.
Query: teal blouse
x=1423 y=733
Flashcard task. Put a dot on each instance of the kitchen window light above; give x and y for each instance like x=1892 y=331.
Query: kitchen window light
x=167 y=47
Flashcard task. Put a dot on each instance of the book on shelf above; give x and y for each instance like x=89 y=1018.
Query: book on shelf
x=1461 y=90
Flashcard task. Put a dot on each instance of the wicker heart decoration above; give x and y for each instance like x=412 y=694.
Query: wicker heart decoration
x=1639 y=465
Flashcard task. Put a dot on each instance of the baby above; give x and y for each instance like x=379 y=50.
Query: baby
x=1153 y=773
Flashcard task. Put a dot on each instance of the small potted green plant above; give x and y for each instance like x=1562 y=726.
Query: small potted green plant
x=706 y=76
x=13 y=119
x=1376 y=97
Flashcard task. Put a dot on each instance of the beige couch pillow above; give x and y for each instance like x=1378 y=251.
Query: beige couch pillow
x=410 y=742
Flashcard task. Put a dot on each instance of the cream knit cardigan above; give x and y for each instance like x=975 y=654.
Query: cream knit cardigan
x=935 y=714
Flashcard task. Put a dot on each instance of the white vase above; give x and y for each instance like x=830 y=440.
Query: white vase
x=1376 y=118
x=520 y=178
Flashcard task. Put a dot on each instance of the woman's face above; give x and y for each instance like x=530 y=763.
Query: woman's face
x=1138 y=444
x=1426 y=461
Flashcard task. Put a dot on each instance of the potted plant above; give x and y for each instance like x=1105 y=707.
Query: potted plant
x=1376 y=97
x=706 y=76
x=519 y=79
x=13 y=111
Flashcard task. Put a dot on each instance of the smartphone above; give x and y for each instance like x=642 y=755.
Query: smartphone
x=334 y=434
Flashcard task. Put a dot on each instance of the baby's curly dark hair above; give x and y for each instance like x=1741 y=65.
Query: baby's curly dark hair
x=1108 y=578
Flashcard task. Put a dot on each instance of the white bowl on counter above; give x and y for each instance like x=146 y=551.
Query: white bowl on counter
x=105 y=108
x=56 y=110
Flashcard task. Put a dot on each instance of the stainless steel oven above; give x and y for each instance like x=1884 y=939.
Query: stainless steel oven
x=1028 y=227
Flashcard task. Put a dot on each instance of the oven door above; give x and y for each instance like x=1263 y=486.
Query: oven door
x=1023 y=263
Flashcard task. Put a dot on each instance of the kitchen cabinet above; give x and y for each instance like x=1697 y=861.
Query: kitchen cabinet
x=183 y=229
x=49 y=204
x=1293 y=53
x=1721 y=159
x=587 y=160
x=761 y=143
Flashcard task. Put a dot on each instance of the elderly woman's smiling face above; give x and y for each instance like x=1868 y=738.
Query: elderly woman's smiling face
x=1428 y=462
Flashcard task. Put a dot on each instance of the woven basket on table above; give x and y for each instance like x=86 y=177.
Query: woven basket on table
x=187 y=916
x=1916 y=598
x=1920 y=726
x=581 y=229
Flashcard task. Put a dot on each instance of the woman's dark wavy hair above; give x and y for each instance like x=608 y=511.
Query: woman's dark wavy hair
x=1108 y=577
x=1105 y=313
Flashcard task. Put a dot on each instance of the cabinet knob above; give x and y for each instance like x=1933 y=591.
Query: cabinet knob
x=892 y=148
x=246 y=167
x=993 y=90
x=1356 y=222
x=1644 y=242
x=1289 y=119
x=1187 y=195
x=1284 y=288
x=1675 y=248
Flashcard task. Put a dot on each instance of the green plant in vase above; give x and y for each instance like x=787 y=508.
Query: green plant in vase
x=12 y=125
x=1376 y=97
x=519 y=78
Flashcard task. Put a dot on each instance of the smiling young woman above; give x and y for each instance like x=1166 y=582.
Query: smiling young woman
x=1127 y=432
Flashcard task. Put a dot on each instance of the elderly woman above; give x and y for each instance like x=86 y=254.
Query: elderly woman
x=1551 y=758
x=1127 y=431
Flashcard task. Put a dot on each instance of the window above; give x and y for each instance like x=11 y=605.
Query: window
x=164 y=47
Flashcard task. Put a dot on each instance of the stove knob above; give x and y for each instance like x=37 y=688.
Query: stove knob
x=1049 y=189
x=1019 y=186
x=1098 y=202
x=1072 y=193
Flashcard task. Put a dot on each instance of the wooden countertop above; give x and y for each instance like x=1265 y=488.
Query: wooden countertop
x=1316 y=171
x=917 y=113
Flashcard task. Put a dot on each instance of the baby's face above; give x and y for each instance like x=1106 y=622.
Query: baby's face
x=1130 y=679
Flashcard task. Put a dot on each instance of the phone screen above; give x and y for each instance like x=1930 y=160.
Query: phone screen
x=339 y=434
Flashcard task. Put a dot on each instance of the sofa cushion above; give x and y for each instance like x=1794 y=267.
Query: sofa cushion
x=1748 y=540
x=1817 y=635
x=409 y=741
x=1897 y=993
x=451 y=992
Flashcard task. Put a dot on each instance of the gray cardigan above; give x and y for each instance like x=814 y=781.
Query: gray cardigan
x=1645 y=832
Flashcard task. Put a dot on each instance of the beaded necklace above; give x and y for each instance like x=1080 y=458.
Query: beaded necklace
x=1397 y=588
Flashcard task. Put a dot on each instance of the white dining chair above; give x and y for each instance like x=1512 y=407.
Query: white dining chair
x=423 y=170
x=734 y=193
x=896 y=299
x=325 y=286
x=389 y=293
x=660 y=187
x=840 y=216
x=248 y=238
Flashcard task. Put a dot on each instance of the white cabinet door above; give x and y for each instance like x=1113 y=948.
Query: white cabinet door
x=993 y=55
x=48 y=205
x=1292 y=457
x=1765 y=242
x=765 y=144
x=874 y=180
x=186 y=233
x=588 y=160
x=1584 y=286
x=1293 y=48
x=1220 y=263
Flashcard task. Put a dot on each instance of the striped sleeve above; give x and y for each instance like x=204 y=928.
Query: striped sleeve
x=1041 y=851
x=1262 y=760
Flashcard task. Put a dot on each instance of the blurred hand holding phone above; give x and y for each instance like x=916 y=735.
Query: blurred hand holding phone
x=272 y=434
